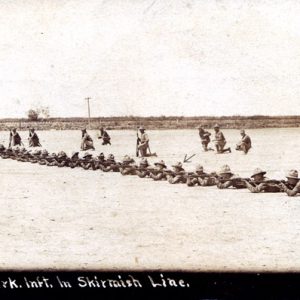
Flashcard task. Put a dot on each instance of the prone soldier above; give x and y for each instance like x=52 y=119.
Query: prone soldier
x=261 y=184
x=142 y=170
x=128 y=166
x=227 y=179
x=292 y=186
x=177 y=175
x=199 y=177
x=111 y=164
x=158 y=172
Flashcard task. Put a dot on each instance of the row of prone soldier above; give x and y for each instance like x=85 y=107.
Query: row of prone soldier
x=224 y=179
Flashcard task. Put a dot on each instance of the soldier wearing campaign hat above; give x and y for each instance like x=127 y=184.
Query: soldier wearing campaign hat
x=292 y=185
x=220 y=140
x=245 y=143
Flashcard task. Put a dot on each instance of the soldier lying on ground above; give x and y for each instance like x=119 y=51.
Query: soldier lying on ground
x=43 y=157
x=292 y=185
x=87 y=162
x=199 y=177
x=260 y=184
x=245 y=143
x=99 y=162
x=158 y=173
x=110 y=164
x=128 y=166
x=142 y=170
x=227 y=179
x=177 y=175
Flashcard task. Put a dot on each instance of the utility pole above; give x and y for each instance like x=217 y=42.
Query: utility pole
x=89 y=110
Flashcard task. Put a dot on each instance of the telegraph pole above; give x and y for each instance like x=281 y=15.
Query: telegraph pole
x=89 y=110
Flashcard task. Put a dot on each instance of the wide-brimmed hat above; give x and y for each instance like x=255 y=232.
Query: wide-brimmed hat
x=127 y=159
x=83 y=130
x=199 y=168
x=200 y=127
x=37 y=152
x=111 y=157
x=216 y=126
x=62 y=154
x=45 y=152
x=144 y=162
x=160 y=163
x=178 y=165
x=74 y=154
x=225 y=170
x=293 y=174
x=101 y=155
x=258 y=171
x=141 y=128
x=86 y=154
x=242 y=131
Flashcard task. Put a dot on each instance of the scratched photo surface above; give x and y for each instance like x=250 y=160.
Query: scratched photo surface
x=149 y=58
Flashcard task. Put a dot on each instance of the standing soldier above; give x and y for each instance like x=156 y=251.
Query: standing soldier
x=86 y=141
x=205 y=138
x=14 y=138
x=220 y=141
x=33 y=139
x=143 y=142
x=104 y=136
x=245 y=143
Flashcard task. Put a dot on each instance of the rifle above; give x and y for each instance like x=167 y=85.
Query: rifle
x=270 y=181
x=137 y=144
x=236 y=179
x=10 y=139
x=195 y=175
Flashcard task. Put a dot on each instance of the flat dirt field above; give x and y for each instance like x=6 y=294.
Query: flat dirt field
x=61 y=218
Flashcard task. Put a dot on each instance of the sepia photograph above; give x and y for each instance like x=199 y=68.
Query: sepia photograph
x=146 y=135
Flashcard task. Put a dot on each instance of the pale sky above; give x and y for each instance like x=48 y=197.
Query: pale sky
x=147 y=57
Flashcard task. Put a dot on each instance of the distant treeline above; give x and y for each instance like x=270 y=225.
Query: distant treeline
x=162 y=122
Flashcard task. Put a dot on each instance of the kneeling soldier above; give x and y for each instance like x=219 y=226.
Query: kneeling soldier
x=261 y=184
x=292 y=185
x=177 y=175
